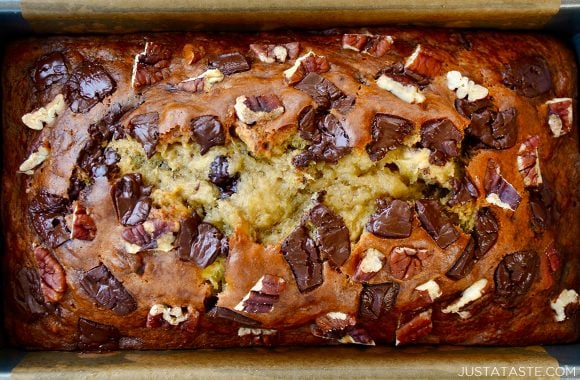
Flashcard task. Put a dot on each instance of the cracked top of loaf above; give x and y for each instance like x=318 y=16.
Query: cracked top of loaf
x=350 y=186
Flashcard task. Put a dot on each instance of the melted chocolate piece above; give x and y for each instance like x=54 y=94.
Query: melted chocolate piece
x=50 y=69
x=308 y=121
x=435 y=222
x=494 y=183
x=494 y=129
x=145 y=129
x=388 y=131
x=131 y=199
x=529 y=76
x=442 y=138
x=325 y=93
x=332 y=236
x=88 y=85
x=463 y=191
x=393 y=219
x=28 y=295
x=486 y=231
x=378 y=298
x=222 y=312
x=464 y=264
x=107 y=291
x=303 y=257
x=263 y=103
x=229 y=63
x=514 y=276
x=330 y=143
x=207 y=131
x=543 y=208
x=93 y=336
x=47 y=213
x=219 y=175
x=200 y=242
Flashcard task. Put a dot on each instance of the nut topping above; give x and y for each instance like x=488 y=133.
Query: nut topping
x=499 y=191
x=375 y=45
x=406 y=262
x=83 y=226
x=172 y=315
x=465 y=87
x=45 y=115
x=52 y=276
x=202 y=82
x=308 y=63
x=191 y=54
x=150 y=66
x=472 y=293
x=432 y=288
x=256 y=109
x=423 y=62
x=263 y=295
x=34 y=160
x=560 y=116
x=372 y=262
x=406 y=92
x=529 y=162
x=416 y=328
x=565 y=298
x=270 y=53
x=341 y=327
x=154 y=234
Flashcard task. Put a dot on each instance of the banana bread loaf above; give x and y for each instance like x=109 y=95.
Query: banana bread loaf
x=384 y=186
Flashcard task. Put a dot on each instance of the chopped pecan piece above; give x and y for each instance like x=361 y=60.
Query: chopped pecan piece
x=263 y=295
x=424 y=62
x=256 y=109
x=465 y=87
x=52 y=276
x=472 y=293
x=416 y=328
x=529 y=162
x=499 y=191
x=170 y=315
x=432 y=289
x=202 y=82
x=560 y=116
x=83 y=225
x=150 y=66
x=372 y=262
x=407 y=92
x=406 y=262
x=308 y=63
x=375 y=45
x=155 y=234
x=341 y=327
x=270 y=53
x=334 y=321
x=566 y=298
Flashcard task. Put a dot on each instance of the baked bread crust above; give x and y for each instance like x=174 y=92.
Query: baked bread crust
x=506 y=237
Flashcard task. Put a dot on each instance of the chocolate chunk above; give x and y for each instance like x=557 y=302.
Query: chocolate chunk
x=131 y=199
x=325 y=93
x=222 y=312
x=543 y=208
x=388 y=131
x=88 y=85
x=496 y=186
x=229 y=63
x=435 y=222
x=308 y=121
x=400 y=74
x=495 y=129
x=331 y=144
x=152 y=65
x=464 y=264
x=303 y=257
x=50 y=69
x=47 y=213
x=393 y=219
x=28 y=295
x=378 y=298
x=486 y=231
x=145 y=129
x=442 y=138
x=219 y=175
x=529 y=76
x=514 y=276
x=332 y=236
x=263 y=103
x=103 y=287
x=463 y=191
x=207 y=131
x=93 y=336
x=200 y=242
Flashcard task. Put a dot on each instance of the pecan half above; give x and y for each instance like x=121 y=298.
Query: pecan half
x=560 y=116
x=406 y=262
x=416 y=328
x=52 y=276
x=529 y=162
x=424 y=62
x=83 y=225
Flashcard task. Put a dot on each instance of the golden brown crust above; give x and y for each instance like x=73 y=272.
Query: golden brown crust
x=155 y=277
